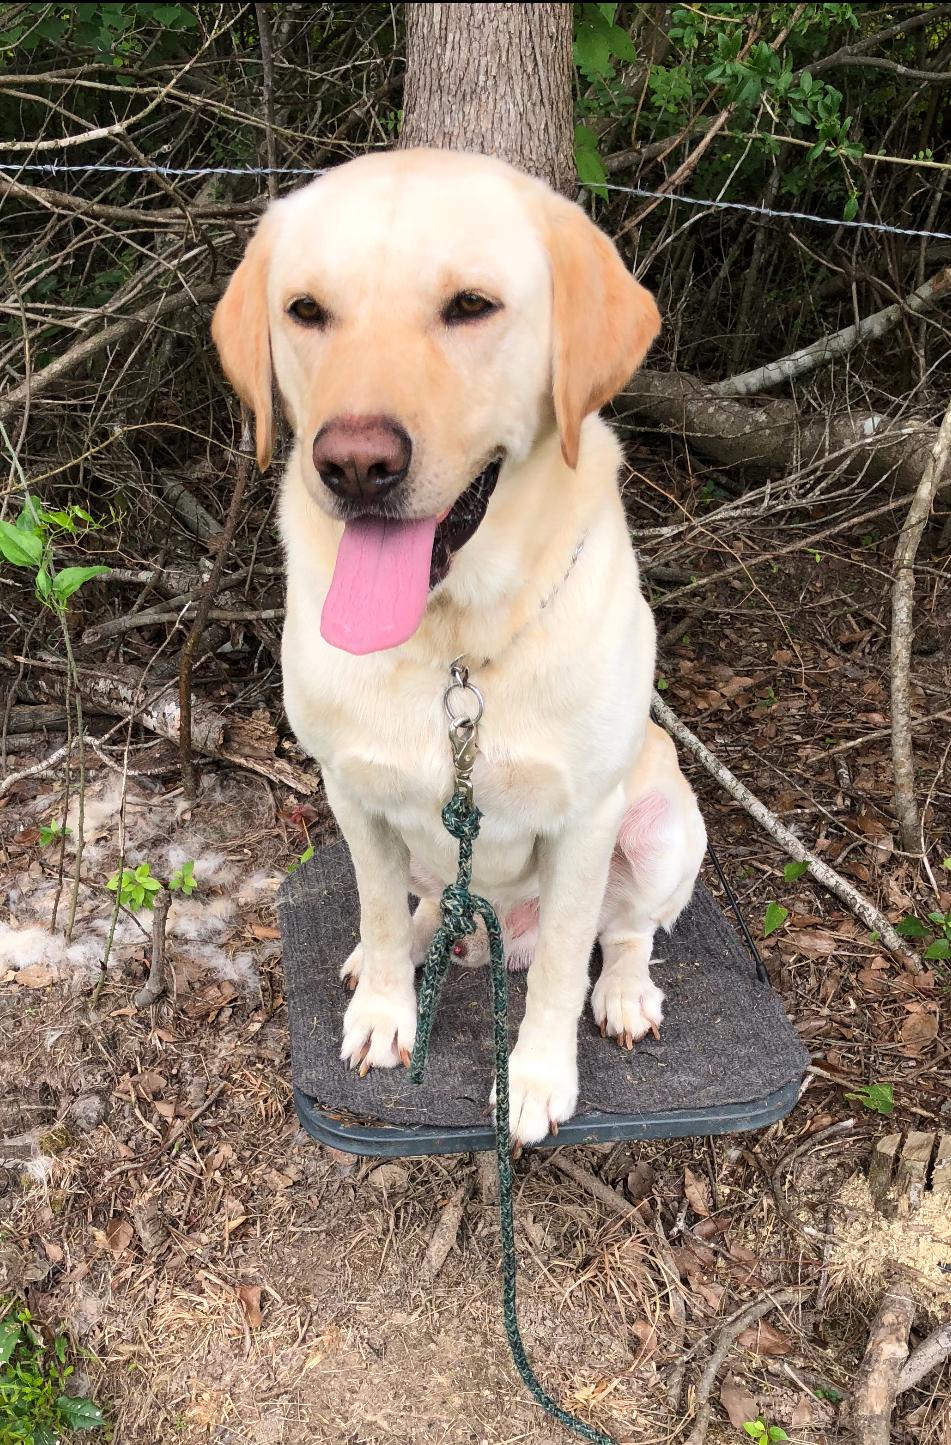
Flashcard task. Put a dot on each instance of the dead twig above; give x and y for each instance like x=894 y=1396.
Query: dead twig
x=190 y=649
x=594 y=1186
x=444 y=1235
x=926 y=1357
x=725 y=1341
x=787 y=368
x=858 y=904
x=877 y=1379
x=154 y=985
x=903 y=603
x=678 y=1310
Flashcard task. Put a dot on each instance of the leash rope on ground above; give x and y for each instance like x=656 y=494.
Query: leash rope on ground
x=460 y=909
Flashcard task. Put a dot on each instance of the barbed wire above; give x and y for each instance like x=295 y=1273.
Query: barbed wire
x=54 y=168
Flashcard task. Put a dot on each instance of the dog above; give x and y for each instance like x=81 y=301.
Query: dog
x=442 y=331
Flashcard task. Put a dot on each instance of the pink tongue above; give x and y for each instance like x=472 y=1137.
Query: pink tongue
x=380 y=584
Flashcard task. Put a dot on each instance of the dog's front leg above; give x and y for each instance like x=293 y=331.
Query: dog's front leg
x=379 y=1026
x=543 y=1068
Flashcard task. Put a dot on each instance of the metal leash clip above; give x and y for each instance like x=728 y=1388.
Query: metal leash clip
x=463 y=727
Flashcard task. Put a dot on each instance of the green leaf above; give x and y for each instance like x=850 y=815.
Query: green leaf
x=851 y=208
x=592 y=52
x=801 y=116
x=79 y=1414
x=940 y=950
x=911 y=927
x=183 y=880
x=62 y=519
x=72 y=578
x=805 y=82
x=775 y=1432
x=9 y=1338
x=44 y=585
x=21 y=549
x=774 y=918
x=878 y=1098
x=755 y=1428
x=792 y=871
x=946 y=864
x=622 y=45
x=591 y=172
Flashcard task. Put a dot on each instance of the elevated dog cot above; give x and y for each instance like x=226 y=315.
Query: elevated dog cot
x=727 y=1058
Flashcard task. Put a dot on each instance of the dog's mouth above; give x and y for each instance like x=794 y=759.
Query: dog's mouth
x=462 y=521
x=387 y=565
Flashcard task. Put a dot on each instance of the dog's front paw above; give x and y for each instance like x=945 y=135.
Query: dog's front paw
x=543 y=1089
x=379 y=1027
x=627 y=1005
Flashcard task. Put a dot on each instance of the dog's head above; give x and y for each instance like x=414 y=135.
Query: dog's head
x=426 y=315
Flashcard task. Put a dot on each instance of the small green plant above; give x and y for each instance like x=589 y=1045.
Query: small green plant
x=792 y=871
x=34 y=1406
x=939 y=934
x=304 y=857
x=774 y=917
x=759 y=1430
x=30 y=542
x=877 y=1098
x=52 y=832
x=137 y=887
x=183 y=880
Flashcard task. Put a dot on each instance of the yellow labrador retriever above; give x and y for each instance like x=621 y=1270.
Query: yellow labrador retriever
x=442 y=331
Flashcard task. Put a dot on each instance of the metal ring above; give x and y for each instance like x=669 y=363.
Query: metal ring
x=456 y=717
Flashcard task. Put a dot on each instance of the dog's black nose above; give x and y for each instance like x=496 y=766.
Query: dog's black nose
x=362 y=458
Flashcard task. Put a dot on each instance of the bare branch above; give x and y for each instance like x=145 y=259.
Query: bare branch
x=823 y=351
x=903 y=604
x=861 y=906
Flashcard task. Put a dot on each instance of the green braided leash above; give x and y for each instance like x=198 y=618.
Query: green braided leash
x=460 y=908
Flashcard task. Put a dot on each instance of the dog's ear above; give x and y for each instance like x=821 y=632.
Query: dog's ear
x=603 y=321
x=239 y=329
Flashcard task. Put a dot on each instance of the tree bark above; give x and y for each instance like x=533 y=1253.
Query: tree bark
x=496 y=79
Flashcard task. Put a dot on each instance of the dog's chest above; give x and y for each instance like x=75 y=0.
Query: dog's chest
x=406 y=774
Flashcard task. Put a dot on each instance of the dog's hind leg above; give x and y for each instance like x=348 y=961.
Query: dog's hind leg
x=658 y=854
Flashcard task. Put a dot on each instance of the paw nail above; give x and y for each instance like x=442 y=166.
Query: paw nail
x=351 y=983
x=604 y=1029
x=552 y=1126
x=365 y=1068
x=517 y=1149
x=406 y=1058
x=655 y=1031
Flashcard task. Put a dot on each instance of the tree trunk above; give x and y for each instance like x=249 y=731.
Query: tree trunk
x=493 y=78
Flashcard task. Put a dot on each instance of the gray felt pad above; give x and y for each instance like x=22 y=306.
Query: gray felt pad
x=725 y=1038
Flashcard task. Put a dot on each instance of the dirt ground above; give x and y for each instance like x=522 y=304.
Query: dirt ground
x=227 y=1280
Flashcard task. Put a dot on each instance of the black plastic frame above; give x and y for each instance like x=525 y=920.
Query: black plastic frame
x=394 y=1141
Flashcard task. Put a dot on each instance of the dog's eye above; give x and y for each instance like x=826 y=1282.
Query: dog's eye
x=467 y=306
x=308 y=311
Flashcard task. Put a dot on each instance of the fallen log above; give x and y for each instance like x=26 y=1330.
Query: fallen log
x=120 y=690
x=772 y=438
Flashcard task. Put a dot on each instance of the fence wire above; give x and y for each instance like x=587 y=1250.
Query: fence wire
x=55 y=168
